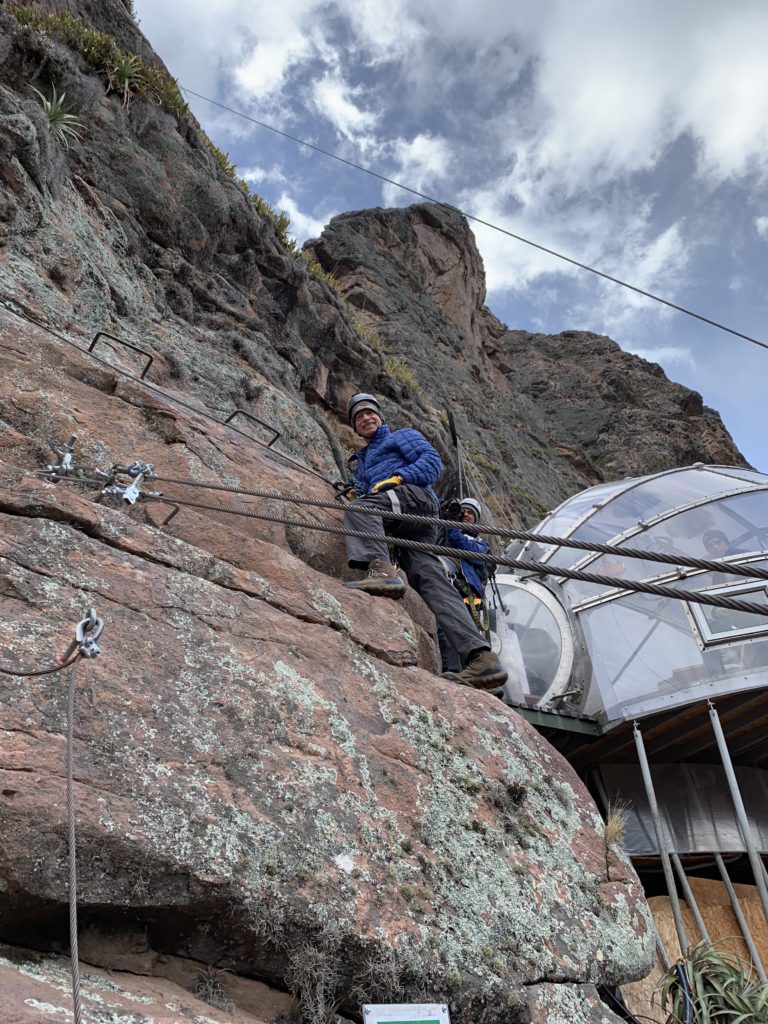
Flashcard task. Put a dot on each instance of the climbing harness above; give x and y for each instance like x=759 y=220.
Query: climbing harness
x=84 y=645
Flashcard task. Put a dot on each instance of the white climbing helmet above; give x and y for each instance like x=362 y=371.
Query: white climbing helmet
x=474 y=505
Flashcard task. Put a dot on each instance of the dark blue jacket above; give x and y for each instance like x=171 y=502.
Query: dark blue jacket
x=405 y=453
x=472 y=571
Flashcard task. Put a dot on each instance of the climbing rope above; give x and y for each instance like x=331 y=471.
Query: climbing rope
x=540 y=568
x=708 y=564
x=10 y=305
x=705 y=564
x=84 y=645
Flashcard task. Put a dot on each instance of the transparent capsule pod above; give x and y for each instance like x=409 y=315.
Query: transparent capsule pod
x=596 y=650
x=659 y=703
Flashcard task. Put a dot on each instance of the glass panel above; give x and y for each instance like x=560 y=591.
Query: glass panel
x=725 y=623
x=722 y=529
x=748 y=474
x=578 y=506
x=645 y=657
x=531 y=644
x=649 y=499
x=728 y=526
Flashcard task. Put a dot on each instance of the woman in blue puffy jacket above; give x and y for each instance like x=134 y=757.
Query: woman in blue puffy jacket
x=396 y=470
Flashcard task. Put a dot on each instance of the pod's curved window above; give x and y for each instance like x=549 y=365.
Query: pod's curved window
x=534 y=642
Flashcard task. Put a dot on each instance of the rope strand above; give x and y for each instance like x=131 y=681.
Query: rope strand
x=707 y=564
x=540 y=568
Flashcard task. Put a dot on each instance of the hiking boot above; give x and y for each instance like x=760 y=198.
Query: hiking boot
x=381 y=580
x=483 y=672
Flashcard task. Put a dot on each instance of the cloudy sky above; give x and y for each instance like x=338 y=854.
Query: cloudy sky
x=631 y=135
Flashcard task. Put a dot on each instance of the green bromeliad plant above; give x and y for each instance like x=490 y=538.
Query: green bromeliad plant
x=724 y=989
x=63 y=124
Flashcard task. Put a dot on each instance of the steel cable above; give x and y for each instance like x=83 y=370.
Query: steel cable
x=479 y=220
x=17 y=311
x=72 y=849
x=707 y=564
x=40 y=672
x=540 y=568
x=71 y=838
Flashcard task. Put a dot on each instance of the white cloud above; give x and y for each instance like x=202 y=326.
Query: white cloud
x=264 y=175
x=761 y=226
x=672 y=355
x=303 y=225
x=420 y=163
x=334 y=99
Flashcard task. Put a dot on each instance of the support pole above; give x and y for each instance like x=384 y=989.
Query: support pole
x=690 y=899
x=669 y=877
x=457 y=445
x=739 y=915
x=755 y=859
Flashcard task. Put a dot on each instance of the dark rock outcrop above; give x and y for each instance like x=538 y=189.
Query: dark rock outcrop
x=541 y=416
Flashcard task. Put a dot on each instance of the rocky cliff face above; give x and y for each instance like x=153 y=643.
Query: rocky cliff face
x=269 y=777
x=541 y=416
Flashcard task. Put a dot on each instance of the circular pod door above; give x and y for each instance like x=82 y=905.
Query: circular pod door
x=533 y=638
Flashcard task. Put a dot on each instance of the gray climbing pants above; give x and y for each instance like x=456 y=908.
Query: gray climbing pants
x=425 y=574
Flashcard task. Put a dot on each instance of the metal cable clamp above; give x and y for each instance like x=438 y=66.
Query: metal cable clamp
x=87 y=633
x=64 y=451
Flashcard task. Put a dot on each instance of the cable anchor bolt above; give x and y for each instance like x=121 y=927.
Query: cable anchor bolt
x=136 y=468
x=64 y=452
x=87 y=633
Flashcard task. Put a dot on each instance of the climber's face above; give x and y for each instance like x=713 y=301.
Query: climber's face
x=367 y=422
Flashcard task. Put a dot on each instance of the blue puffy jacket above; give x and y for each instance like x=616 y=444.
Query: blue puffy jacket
x=405 y=453
x=471 y=571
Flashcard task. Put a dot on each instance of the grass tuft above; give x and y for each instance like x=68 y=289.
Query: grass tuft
x=615 y=824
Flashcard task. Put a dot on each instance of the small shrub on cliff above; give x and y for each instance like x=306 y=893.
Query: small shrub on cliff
x=315 y=268
x=209 y=986
x=398 y=369
x=615 y=824
x=368 y=335
x=63 y=124
x=126 y=76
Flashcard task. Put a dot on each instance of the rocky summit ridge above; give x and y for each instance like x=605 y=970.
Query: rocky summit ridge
x=281 y=809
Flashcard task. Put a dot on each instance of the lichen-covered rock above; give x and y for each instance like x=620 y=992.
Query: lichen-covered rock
x=266 y=778
x=269 y=778
x=37 y=989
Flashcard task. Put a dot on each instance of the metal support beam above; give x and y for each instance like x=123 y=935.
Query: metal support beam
x=669 y=877
x=665 y=961
x=738 y=804
x=690 y=899
x=739 y=914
